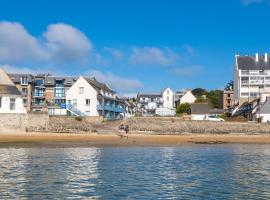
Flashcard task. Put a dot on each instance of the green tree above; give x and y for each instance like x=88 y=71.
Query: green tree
x=198 y=92
x=213 y=98
x=201 y=99
x=183 y=108
x=229 y=85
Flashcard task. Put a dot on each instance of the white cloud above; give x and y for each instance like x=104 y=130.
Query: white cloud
x=17 y=45
x=188 y=71
x=67 y=43
x=152 y=56
x=25 y=70
x=115 y=82
x=60 y=43
x=117 y=54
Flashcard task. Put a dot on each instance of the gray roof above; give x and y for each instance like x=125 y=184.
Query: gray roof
x=9 y=90
x=68 y=81
x=16 y=78
x=199 y=108
x=150 y=95
x=249 y=63
x=98 y=85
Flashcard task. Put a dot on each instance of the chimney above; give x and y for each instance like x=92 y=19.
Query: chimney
x=265 y=57
x=257 y=57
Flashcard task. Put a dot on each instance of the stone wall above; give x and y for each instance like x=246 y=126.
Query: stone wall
x=40 y=121
x=173 y=125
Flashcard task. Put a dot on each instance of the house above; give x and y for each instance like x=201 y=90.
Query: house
x=130 y=107
x=182 y=97
x=148 y=103
x=10 y=97
x=226 y=100
x=88 y=97
x=199 y=111
x=251 y=77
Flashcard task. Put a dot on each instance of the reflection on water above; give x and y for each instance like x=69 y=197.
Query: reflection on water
x=197 y=172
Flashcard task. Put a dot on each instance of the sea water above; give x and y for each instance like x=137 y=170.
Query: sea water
x=185 y=172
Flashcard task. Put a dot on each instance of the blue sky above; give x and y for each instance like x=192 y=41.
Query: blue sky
x=133 y=45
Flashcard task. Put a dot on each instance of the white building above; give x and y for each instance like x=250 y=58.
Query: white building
x=160 y=104
x=168 y=98
x=88 y=97
x=251 y=77
x=10 y=98
x=184 y=97
x=148 y=103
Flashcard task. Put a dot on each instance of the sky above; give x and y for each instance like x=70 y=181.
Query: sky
x=134 y=46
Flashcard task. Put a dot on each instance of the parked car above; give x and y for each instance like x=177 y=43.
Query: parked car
x=214 y=118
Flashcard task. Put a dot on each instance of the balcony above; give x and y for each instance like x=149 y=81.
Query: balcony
x=111 y=108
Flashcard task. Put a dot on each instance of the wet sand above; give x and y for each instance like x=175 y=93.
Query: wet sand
x=64 y=139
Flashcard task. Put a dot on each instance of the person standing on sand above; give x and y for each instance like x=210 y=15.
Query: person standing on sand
x=126 y=131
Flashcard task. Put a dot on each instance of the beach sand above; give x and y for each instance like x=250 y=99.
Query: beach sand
x=133 y=140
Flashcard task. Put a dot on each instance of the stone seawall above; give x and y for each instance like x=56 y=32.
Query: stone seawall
x=173 y=125
x=42 y=122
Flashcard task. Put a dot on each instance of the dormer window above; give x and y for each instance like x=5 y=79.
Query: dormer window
x=24 y=81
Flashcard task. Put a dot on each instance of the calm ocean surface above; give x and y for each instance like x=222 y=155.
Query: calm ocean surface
x=186 y=172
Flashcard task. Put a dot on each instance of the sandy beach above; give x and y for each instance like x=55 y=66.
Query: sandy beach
x=133 y=140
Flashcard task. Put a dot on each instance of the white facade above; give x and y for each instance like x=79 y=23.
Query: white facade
x=87 y=97
x=165 y=111
x=10 y=97
x=251 y=77
x=79 y=93
x=168 y=98
x=188 y=97
x=198 y=117
x=11 y=105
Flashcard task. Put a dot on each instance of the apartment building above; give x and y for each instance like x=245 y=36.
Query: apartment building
x=43 y=92
x=251 y=77
x=148 y=103
x=160 y=104
x=226 y=100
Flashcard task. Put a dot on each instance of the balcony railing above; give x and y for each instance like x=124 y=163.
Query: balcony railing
x=74 y=110
x=111 y=108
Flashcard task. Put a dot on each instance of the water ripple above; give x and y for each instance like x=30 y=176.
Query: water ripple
x=187 y=172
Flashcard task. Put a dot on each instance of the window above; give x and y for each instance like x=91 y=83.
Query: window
x=87 y=102
x=59 y=102
x=24 y=81
x=81 y=90
x=168 y=91
x=12 y=104
x=59 y=83
x=229 y=95
x=39 y=92
x=0 y=102
x=24 y=91
x=59 y=92
x=39 y=82
x=168 y=98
